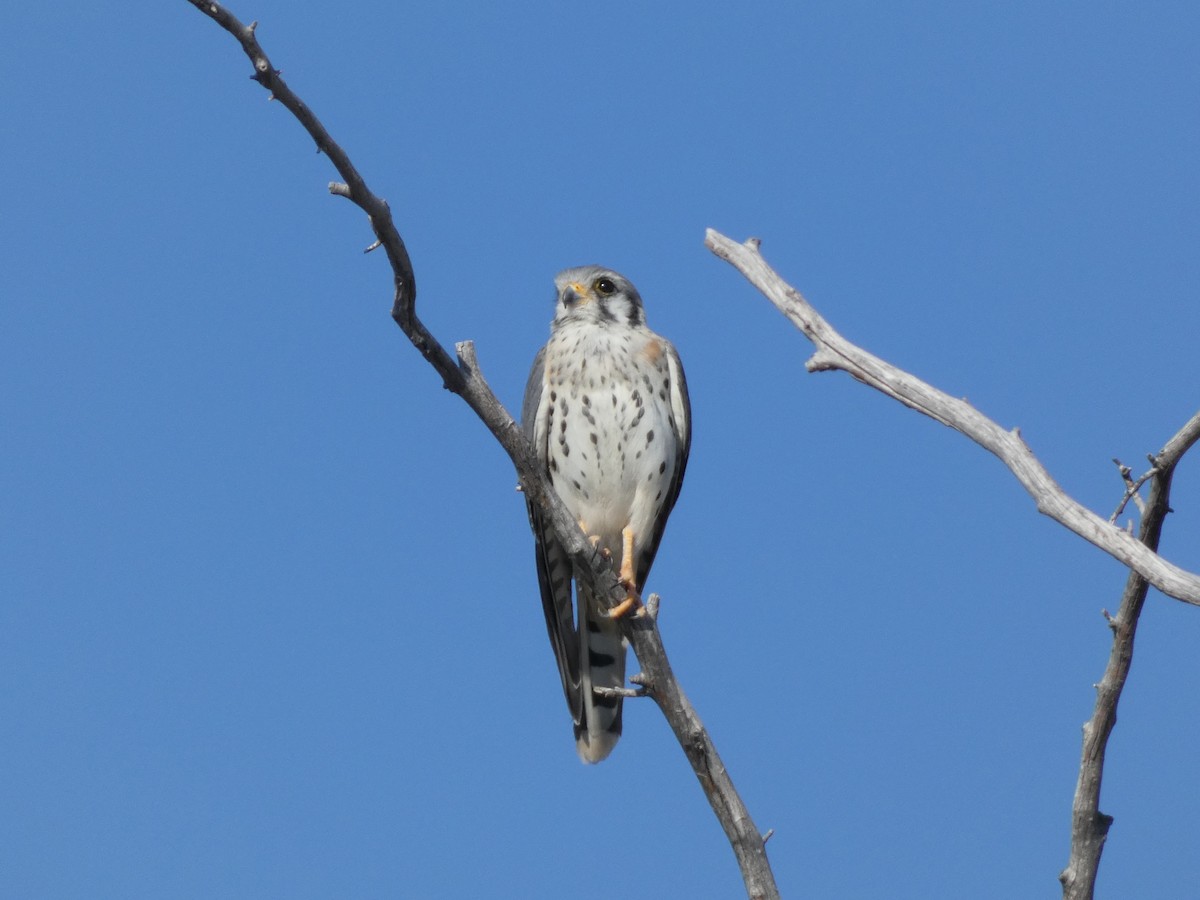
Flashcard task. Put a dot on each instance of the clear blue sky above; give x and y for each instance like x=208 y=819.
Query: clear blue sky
x=269 y=623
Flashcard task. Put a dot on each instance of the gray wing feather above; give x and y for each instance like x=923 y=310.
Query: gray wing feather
x=553 y=564
x=681 y=411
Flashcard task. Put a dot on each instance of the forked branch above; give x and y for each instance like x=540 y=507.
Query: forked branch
x=834 y=352
x=462 y=376
x=1089 y=826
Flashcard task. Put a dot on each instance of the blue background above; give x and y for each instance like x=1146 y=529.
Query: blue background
x=269 y=623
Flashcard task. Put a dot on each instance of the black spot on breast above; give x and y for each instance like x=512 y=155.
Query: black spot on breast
x=649 y=437
x=553 y=464
x=596 y=440
x=662 y=467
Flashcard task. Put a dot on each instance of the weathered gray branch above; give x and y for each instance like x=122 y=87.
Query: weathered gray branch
x=1089 y=826
x=835 y=352
x=462 y=376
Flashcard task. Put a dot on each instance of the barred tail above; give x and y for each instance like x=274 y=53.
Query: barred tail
x=603 y=665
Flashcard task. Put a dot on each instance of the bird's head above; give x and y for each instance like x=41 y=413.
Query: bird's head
x=599 y=295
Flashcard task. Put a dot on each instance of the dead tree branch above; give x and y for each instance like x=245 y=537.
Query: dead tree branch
x=1089 y=826
x=462 y=376
x=835 y=352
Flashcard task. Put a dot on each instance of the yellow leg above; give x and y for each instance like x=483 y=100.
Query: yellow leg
x=627 y=573
x=628 y=576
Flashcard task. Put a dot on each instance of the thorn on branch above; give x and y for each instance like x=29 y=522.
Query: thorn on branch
x=652 y=603
x=766 y=837
x=824 y=360
x=375 y=246
x=642 y=680
x=467 y=361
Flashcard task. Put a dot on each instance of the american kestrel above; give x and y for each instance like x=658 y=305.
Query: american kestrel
x=607 y=411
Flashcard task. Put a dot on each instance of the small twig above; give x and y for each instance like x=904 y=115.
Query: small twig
x=1132 y=488
x=619 y=691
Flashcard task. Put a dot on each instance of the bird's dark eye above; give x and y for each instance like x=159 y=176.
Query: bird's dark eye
x=605 y=286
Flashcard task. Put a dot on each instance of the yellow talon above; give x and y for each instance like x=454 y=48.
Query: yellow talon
x=624 y=606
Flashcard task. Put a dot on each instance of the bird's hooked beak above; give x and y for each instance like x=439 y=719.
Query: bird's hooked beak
x=576 y=294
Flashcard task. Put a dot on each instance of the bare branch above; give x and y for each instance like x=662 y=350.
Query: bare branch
x=462 y=376
x=1089 y=826
x=835 y=352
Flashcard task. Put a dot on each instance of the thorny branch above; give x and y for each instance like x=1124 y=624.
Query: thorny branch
x=462 y=376
x=1089 y=826
x=835 y=352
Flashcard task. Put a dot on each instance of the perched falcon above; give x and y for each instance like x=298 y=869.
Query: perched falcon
x=607 y=411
